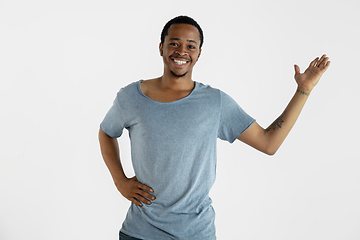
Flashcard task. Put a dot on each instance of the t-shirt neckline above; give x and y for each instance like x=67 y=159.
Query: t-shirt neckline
x=181 y=99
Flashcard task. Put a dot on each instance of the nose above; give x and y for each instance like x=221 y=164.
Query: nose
x=181 y=50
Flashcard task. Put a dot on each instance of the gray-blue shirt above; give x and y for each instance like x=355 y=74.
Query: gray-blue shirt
x=173 y=150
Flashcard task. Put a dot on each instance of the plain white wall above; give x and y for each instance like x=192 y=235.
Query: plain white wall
x=62 y=62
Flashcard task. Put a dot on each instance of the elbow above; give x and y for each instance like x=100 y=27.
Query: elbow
x=271 y=151
x=272 y=146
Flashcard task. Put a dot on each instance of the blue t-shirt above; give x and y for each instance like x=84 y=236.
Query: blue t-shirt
x=173 y=150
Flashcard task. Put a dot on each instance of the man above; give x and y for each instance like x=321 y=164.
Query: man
x=173 y=123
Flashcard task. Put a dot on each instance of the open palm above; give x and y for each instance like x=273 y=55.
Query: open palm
x=307 y=81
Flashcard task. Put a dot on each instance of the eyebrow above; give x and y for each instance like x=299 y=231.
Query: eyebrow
x=189 y=40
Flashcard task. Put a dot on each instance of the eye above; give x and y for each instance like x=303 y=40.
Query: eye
x=174 y=44
x=191 y=47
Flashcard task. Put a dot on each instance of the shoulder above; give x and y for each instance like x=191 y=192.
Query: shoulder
x=147 y=85
x=128 y=92
x=130 y=88
x=215 y=93
x=212 y=91
x=207 y=88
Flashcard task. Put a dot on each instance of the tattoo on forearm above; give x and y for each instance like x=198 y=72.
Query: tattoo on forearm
x=302 y=92
x=277 y=123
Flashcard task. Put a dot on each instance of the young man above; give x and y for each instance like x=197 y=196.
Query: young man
x=173 y=123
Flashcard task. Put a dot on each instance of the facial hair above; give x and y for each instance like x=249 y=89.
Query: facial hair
x=179 y=76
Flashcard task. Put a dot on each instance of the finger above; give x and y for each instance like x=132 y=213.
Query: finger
x=148 y=195
x=313 y=63
x=142 y=199
x=297 y=69
x=136 y=202
x=321 y=61
x=145 y=194
x=144 y=187
x=326 y=66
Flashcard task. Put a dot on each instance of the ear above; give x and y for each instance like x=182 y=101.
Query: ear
x=161 y=49
x=199 y=54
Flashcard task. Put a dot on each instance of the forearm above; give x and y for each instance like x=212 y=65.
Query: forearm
x=111 y=155
x=130 y=188
x=280 y=128
x=269 y=140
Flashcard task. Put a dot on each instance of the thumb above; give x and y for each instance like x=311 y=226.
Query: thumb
x=297 y=69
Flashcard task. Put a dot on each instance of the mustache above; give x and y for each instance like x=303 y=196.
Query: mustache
x=179 y=57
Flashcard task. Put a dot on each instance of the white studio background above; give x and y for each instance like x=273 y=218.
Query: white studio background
x=62 y=62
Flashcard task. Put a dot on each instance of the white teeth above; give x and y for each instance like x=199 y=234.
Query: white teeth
x=179 y=62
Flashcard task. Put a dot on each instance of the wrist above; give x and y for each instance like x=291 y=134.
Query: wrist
x=120 y=179
x=303 y=90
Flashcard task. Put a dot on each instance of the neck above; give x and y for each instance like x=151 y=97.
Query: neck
x=169 y=81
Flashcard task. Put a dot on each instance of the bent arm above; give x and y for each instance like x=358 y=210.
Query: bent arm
x=111 y=155
x=270 y=139
x=130 y=188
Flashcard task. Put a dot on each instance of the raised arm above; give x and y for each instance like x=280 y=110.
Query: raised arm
x=130 y=188
x=270 y=139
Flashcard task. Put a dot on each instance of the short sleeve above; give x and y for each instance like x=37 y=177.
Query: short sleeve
x=113 y=123
x=233 y=119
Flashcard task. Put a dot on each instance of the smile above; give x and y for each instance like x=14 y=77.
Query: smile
x=180 y=62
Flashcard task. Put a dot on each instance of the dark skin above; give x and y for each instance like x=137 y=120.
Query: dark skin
x=130 y=188
x=181 y=45
x=180 y=51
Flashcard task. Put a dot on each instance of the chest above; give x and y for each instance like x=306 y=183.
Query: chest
x=189 y=118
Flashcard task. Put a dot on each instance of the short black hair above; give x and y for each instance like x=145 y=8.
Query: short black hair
x=181 y=19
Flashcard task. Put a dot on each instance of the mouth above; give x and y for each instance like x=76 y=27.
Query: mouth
x=180 y=61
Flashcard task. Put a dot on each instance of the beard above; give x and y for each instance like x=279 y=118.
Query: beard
x=179 y=76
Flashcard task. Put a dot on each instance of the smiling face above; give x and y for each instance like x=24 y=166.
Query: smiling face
x=180 y=50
